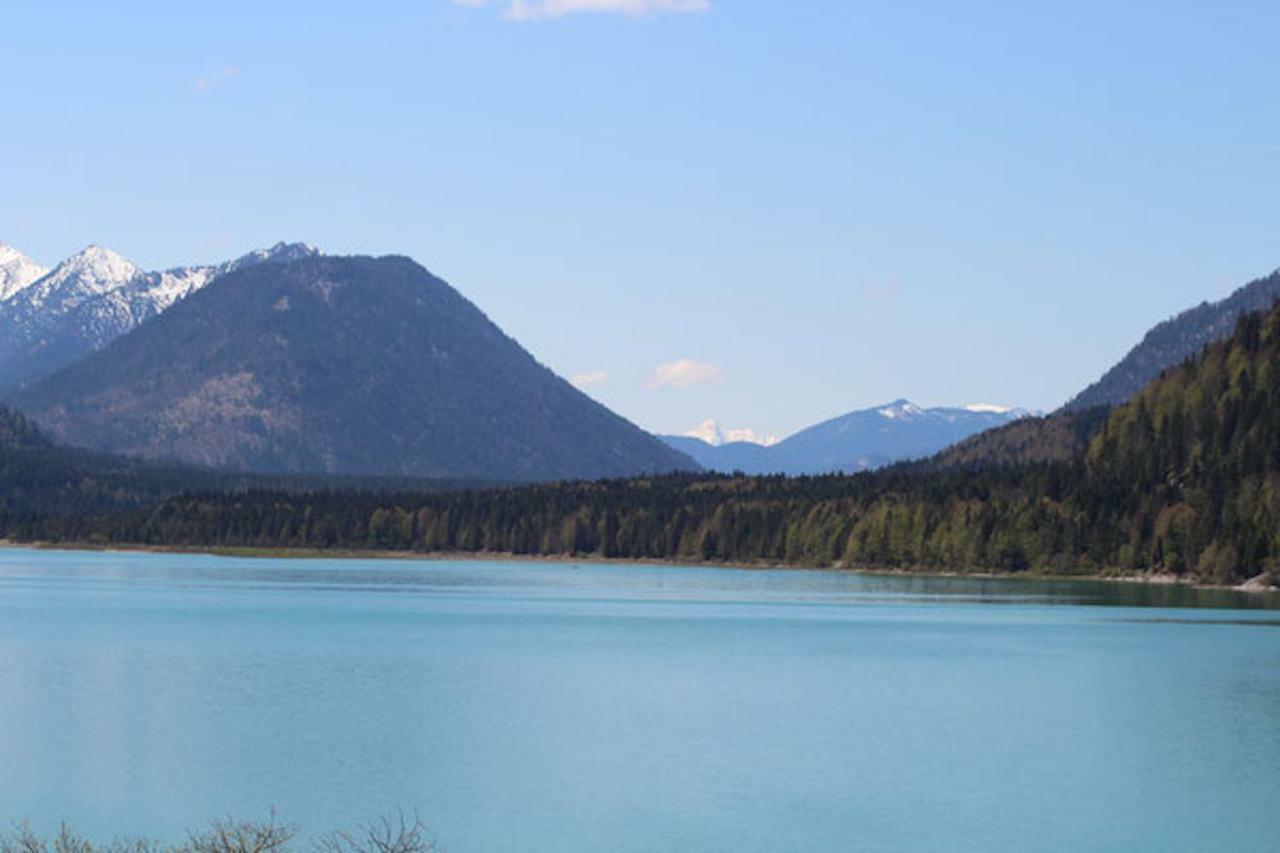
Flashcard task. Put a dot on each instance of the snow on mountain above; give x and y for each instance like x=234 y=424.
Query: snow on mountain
x=94 y=297
x=900 y=410
x=280 y=253
x=712 y=433
x=153 y=292
x=881 y=435
x=16 y=271
x=91 y=272
x=857 y=441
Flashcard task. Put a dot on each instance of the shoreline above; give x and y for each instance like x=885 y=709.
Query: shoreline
x=1257 y=585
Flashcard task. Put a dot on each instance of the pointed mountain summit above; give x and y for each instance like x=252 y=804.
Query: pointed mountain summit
x=92 y=298
x=90 y=272
x=16 y=271
x=343 y=366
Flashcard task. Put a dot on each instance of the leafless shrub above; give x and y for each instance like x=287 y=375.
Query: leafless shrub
x=387 y=835
x=135 y=845
x=397 y=834
x=24 y=840
x=67 y=841
x=242 y=836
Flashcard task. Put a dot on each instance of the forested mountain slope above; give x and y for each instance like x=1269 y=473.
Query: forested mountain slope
x=357 y=366
x=1183 y=479
x=49 y=491
x=1175 y=340
x=1053 y=438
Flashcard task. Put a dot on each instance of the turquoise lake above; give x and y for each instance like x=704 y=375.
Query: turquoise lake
x=580 y=707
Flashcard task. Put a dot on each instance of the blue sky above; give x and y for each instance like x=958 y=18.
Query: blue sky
x=764 y=212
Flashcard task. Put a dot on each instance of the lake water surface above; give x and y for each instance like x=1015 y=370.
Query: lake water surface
x=562 y=707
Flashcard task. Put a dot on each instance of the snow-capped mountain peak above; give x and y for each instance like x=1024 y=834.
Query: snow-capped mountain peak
x=17 y=271
x=161 y=289
x=101 y=262
x=91 y=270
x=281 y=253
x=855 y=441
x=1013 y=413
x=900 y=409
x=905 y=410
x=92 y=298
x=713 y=434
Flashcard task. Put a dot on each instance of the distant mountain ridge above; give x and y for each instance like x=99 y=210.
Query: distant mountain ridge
x=710 y=432
x=368 y=366
x=89 y=300
x=729 y=457
x=858 y=441
x=1174 y=341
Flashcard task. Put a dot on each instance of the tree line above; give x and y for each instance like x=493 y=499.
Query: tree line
x=1185 y=478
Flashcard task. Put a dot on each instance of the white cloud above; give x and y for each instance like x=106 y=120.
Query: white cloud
x=537 y=10
x=684 y=373
x=208 y=81
x=588 y=379
x=712 y=433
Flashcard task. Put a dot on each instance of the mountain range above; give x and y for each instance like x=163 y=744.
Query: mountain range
x=324 y=387
x=332 y=365
x=985 y=435
x=256 y=404
x=51 y=319
x=1181 y=481
x=857 y=441
x=374 y=366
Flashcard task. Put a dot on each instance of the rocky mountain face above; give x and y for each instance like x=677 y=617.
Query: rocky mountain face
x=857 y=441
x=341 y=366
x=92 y=298
x=1174 y=341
